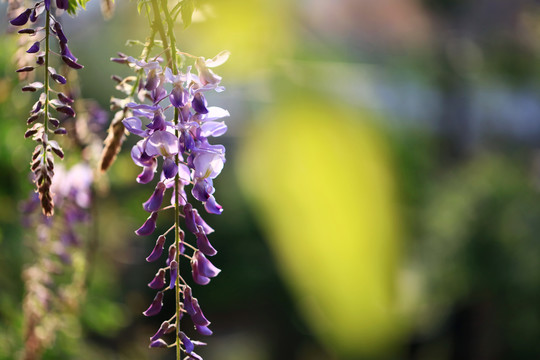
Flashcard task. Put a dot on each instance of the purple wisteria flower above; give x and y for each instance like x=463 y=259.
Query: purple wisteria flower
x=179 y=153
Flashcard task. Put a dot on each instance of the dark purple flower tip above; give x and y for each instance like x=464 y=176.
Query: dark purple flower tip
x=203 y=330
x=34 y=15
x=32 y=86
x=62 y=4
x=148 y=173
x=54 y=122
x=158 y=249
x=155 y=306
x=172 y=254
x=158 y=122
x=212 y=207
x=22 y=18
x=173 y=273
x=203 y=244
x=66 y=109
x=178 y=97
x=25 y=69
x=65 y=99
x=201 y=190
x=60 y=33
x=59 y=78
x=187 y=140
x=159 y=343
x=199 y=103
x=29 y=31
x=72 y=64
x=34 y=48
x=33 y=118
x=158 y=282
x=188 y=345
x=152 y=80
x=40 y=59
x=190 y=218
x=149 y=225
x=156 y=199
x=47 y=5
x=204 y=266
x=161 y=331
x=60 y=131
x=169 y=168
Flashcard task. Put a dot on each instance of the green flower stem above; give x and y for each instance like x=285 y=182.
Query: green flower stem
x=170 y=53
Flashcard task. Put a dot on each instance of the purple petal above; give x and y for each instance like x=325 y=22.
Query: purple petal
x=159 y=343
x=60 y=33
x=178 y=97
x=201 y=190
x=62 y=4
x=213 y=128
x=197 y=277
x=194 y=356
x=199 y=103
x=204 y=266
x=159 y=280
x=71 y=63
x=66 y=109
x=152 y=80
x=161 y=331
x=200 y=222
x=203 y=244
x=191 y=225
x=169 y=168
x=188 y=302
x=203 y=330
x=172 y=254
x=65 y=99
x=188 y=345
x=158 y=122
x=148 y=173
x=198 y=318
x=134 y=126
x=155 y=200
x=59 y=78
x=212 y=207
x=173 y=273
x=149 y=108
x=162 y=143
x=156 y=305
x=21 y=19
x=149 y=225
x=158 y=249
x=208 y=164
x=47 y=5
x=34 y=48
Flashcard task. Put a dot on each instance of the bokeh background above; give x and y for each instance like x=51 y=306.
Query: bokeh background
x=381 y=190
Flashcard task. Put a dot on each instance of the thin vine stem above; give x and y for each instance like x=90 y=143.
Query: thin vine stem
x=170 y=53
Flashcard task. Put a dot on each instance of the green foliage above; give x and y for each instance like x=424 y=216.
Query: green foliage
x=75 y=5
x=187 y=9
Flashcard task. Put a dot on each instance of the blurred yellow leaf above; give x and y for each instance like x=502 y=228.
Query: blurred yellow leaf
x=321 y=183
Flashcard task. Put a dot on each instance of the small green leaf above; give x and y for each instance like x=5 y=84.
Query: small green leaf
x=188 y=6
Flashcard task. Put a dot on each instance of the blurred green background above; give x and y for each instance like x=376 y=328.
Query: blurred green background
x=381 y=190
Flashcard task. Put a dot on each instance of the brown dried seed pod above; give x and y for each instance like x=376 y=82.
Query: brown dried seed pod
x=113 y=142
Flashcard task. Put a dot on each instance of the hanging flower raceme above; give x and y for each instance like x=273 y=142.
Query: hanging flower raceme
x=180 y=151
x=41 y=123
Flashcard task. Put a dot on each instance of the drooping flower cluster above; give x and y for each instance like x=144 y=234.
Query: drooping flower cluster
x=183 y=151
x=55 y=281
x=42 y=124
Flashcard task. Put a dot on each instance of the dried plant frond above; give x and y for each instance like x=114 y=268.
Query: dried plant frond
x=113 y=142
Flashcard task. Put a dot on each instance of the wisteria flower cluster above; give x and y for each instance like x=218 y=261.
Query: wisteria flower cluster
x=187 y=157
x=41 y=122
x=53 y=286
